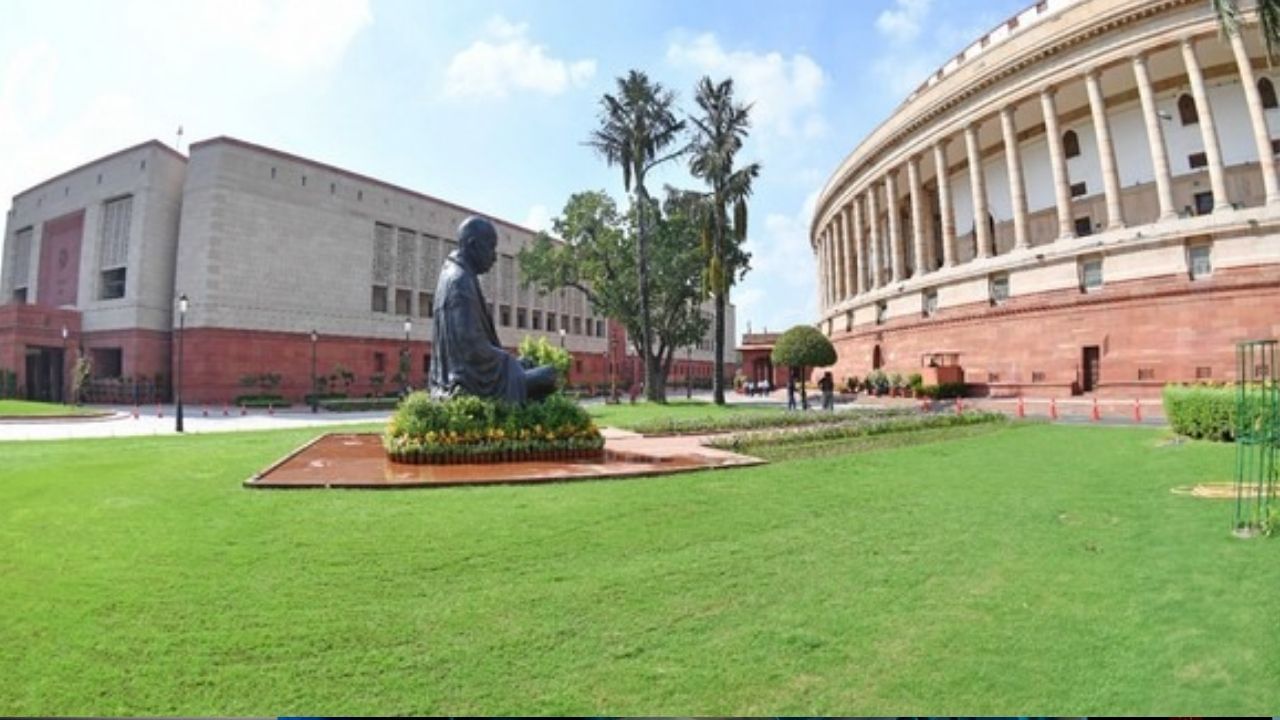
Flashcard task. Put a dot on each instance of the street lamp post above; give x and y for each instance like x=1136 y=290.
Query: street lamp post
x=405 y=364
x=64 y=365
x=182 y=323
x=688 y=373
x=315 y=390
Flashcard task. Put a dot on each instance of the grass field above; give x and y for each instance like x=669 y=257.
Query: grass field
x=627 y=416
x=26 y=408
x=1027 y=570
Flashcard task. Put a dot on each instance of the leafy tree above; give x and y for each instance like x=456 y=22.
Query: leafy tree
x=637 y=126
x=1228 y=12
x=594 y=255
x=720 y=128
x=803 y=346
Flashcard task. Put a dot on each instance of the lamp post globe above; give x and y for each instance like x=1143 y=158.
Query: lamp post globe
x=182 y=322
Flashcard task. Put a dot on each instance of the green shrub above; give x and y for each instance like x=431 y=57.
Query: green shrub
x=694 y=425
x=915 y=381
x=427 y=430
x=855 y=428
x=343 y=404
x=261 y=401
x=540 y=352
x=1207 y=413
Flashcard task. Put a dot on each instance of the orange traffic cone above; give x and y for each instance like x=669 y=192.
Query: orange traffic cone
x=1137 y=410
x=959 y=406
x=1096 y=415
x=1053 y=408
x=135 y=411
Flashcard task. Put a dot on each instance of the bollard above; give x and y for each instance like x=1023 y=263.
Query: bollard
x=1022 y=410
x=1137 y=410
x=1053 y=408
x=136 y=414
x=159 y=411
x=1096 y=415
x=226 y=409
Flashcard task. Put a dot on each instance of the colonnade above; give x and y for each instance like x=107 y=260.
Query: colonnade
x=861 y=245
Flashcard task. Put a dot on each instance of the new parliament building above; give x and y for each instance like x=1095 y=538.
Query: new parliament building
x=279 y=257
x=1084 y=200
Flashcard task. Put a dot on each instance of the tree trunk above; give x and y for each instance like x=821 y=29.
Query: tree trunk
x=717 y=291
x=717 y=381
x=804 y=399
x=651 y=390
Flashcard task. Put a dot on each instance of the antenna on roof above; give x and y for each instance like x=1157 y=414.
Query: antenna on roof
x=177 y=145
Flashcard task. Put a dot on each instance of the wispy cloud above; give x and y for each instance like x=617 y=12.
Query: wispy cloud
x=916 y=44
x=506 y=60
x=786 y=92
x=902 y=23
x=783 y=268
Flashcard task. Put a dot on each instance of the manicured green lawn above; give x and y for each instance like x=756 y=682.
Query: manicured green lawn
x=625 y=415
x=26 y=408
x=1030 y=570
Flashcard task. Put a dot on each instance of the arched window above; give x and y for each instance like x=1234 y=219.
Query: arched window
x=1187 y=111
x=1071 y=144
x=1268 y=93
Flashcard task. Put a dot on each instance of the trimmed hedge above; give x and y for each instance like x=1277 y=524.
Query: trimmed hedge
x=1204 y=412
x=944 y=391
x=862 y=427
x=471 y=429
x=695 y=425
x=261 y=401
x=359 y=404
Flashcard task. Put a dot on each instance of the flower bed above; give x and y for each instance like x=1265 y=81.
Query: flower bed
x=474 y=430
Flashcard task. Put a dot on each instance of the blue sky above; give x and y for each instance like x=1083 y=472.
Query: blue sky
x=481 y=103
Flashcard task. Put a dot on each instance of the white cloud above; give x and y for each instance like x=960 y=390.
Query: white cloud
x=538 y=219
x=902 y=24
x=506 y=60
x=786 y=92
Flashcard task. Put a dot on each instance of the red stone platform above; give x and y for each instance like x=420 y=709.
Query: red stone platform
x=351 y=460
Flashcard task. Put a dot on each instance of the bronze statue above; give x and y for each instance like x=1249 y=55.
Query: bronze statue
x=466 y=356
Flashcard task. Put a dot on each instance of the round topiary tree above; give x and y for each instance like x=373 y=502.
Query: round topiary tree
x=803 y=346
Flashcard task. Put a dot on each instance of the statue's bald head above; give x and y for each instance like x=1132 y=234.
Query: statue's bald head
x=478 y=242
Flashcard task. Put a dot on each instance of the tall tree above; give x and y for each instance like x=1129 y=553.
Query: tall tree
x=593 y=254
x=1228 y=12
x=720 y=128
x=638 y=131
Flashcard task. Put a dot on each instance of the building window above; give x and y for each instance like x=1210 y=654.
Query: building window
x=999 y=288
x=1146 y=373
x=930 y=303
x=537 y=319
x=107 y=362
x=273 y=173
x=577 y=326
x=882 y=312
x=20 y=295
x=1204 y=372
x=1267 y=92
x=564 y=322
x=117 y=219
x=1091 y=274
x=599 y=328
x=551 y=322
x=1071 y=144
x=522 y=318
x=379 y=301
x=1187 y=111
x=1079 y=189
x=379 y=362
x=504 y=315
x=1084 y=226
x=426 y=302
x=112 y=284
x=426 y=364
x=993 y=377
x=404 y=302
x=1037 y=376
x=848 y=320
x=1197 y=160
x=1204 y=202
x=1198 y=262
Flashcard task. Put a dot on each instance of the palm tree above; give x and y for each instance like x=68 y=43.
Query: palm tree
x=719 y=132
x=638 y=125
x=1228 y=12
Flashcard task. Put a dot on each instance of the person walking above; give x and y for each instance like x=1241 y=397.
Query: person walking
x=827 y=385
x=791 y=392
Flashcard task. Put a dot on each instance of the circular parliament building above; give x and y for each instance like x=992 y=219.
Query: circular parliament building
x=1084 y=200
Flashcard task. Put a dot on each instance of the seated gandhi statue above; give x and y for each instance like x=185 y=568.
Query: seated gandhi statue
x=466 y=356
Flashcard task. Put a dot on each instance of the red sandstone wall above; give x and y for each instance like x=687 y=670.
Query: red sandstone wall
x=1170 y=325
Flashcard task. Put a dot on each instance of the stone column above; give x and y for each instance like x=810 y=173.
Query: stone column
x=1258 y=118
x=873 y=222
x=1155 y=138
x=860 y=244
x=837 y=241
x=1106 y=151
x=850 y=255
x=978 y=184
x=1212 y=152
x=917 y=215
x=1058 y=165
x=895 y=234
x=1017 y=191
x=944 y=203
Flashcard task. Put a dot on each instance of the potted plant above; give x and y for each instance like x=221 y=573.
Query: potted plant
x=915 y=381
